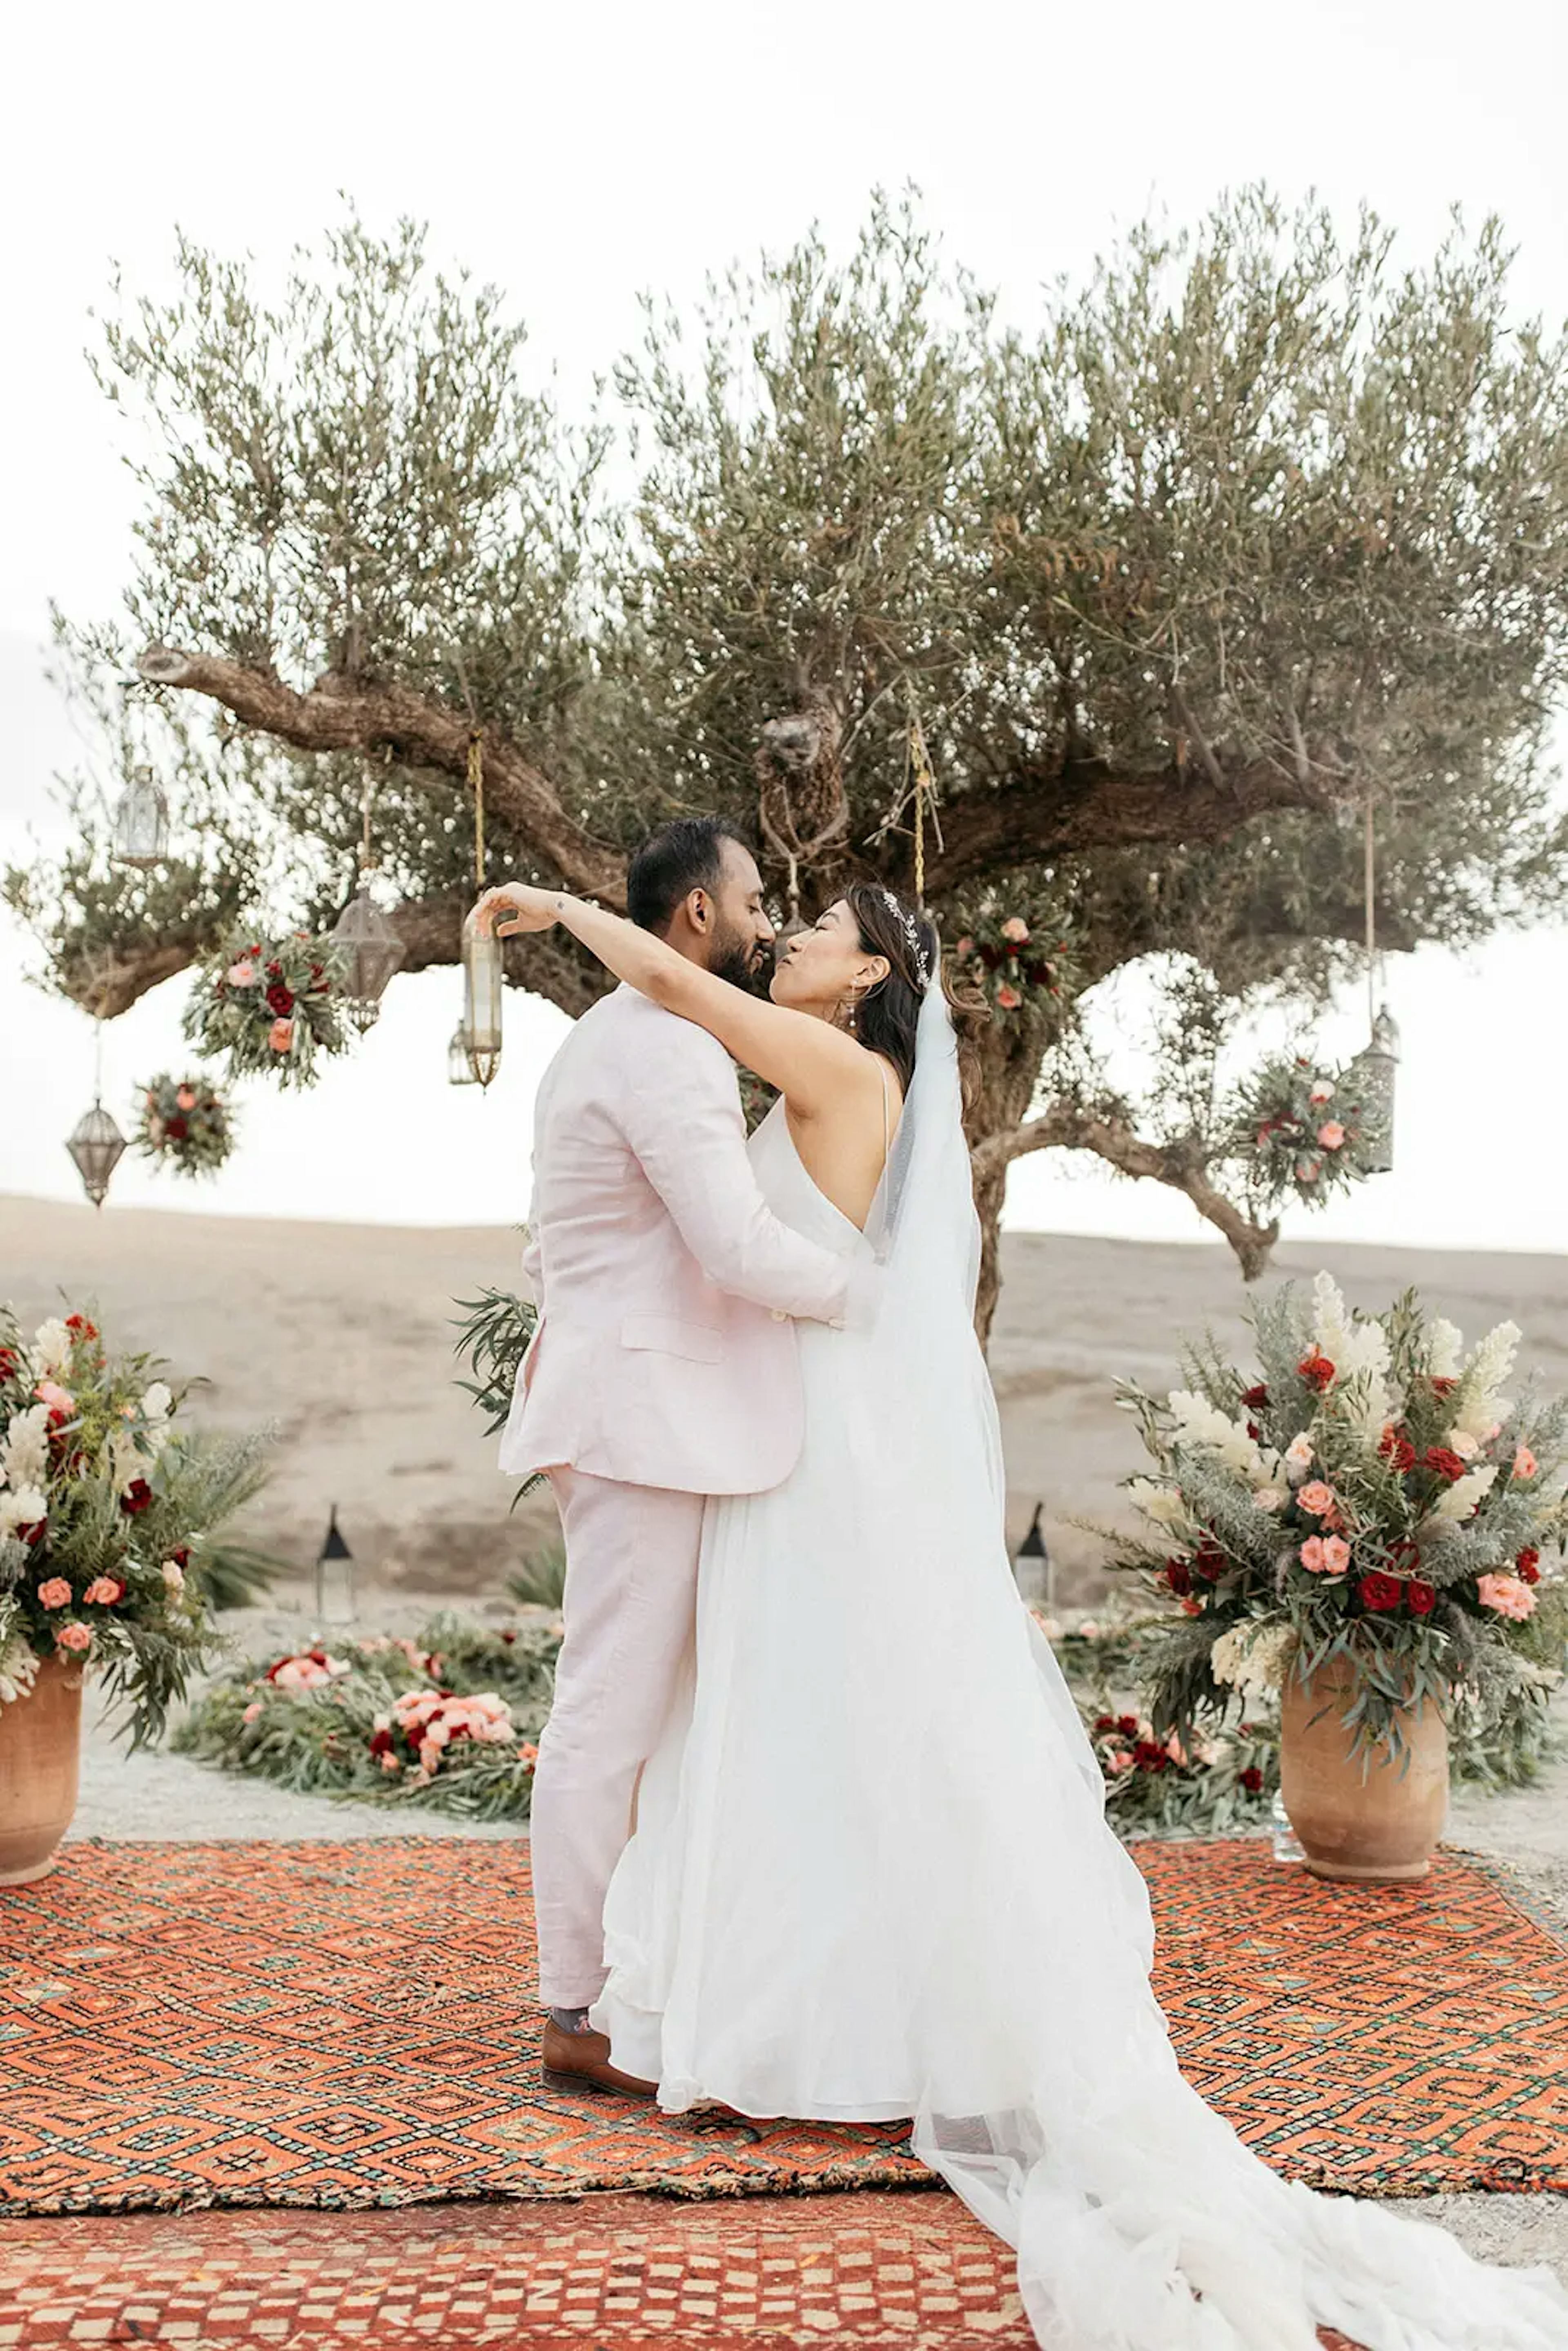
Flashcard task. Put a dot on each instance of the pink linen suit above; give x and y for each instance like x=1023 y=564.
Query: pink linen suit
x=663 y=1369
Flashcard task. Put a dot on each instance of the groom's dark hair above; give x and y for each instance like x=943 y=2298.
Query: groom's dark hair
x=684 y=855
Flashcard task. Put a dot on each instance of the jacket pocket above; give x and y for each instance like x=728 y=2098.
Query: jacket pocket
x=664 y=1334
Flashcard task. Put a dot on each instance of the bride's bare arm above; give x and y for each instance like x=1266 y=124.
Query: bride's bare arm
x=811 y=1062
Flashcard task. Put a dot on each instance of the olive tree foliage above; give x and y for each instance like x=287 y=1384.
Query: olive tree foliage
x=1256 y=528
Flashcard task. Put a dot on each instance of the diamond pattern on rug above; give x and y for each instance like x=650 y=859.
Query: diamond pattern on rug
x=624 y=2272
x=268 y=2024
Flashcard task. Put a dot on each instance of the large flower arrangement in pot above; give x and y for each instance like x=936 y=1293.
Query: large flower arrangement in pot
x=1365 y=1528
x=108 y=1509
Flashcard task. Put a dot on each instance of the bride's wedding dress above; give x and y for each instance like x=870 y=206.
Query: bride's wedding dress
x=872 y=1877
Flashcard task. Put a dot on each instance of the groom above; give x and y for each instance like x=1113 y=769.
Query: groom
x=663 y=1369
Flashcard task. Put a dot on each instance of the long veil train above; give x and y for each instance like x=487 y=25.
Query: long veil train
x=1050 y=2096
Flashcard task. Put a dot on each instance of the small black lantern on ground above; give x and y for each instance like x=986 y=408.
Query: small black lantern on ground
x=1033 y=1568
x=335 y=1549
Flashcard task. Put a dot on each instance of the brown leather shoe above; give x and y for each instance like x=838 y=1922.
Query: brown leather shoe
x=581 y=2061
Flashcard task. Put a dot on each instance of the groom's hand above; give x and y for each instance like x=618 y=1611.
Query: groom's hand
x=514 y=906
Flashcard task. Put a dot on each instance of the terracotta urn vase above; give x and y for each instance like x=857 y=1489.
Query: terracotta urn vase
x=40 y=1755
x=1373 y=1822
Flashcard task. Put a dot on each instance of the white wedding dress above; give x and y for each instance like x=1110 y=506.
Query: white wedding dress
x=872 y=1877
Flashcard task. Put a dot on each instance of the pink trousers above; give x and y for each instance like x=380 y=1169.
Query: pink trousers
x=630 y=1610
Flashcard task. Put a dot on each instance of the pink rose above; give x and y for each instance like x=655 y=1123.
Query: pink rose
x=1317 y=1499
x=1008 y=998
x=1510 y=1596
x=56 y=1592
x=252 y=1711
x=103 y=1592
x=1312 y=1554
x=1118 y=1762
x=1336 y=1555
x=390 y=1763
x=186 y=1097
x=1016 y=929
x=1525 y=1464
x=78 y=1637
x=965 y=948
x=1330 y=1135
x=281 y=1036
x=1308 y=1170
x=61 y=1404
x=241 y=974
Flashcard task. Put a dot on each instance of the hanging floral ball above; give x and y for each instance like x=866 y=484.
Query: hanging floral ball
x=1021 y=956
x=1298 y=1128
x=271 y=1006
x=184 y=1124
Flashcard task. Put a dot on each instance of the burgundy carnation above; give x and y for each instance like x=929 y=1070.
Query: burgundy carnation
x=1380 y=1592
x=1209 y=1561
x=177 y=1130
x=1256 y=1399
x=1252 y=1778
x=280 y=1000
x=1178 y=1576
x=137 y=1498
x=1397 y=1450
x=1103 y=1723
x=1127 y=1725
x=1419 y=1598
x=1528 y=1566
x=1316 y=1370
x=1149 y=1756
x=1444 y=1464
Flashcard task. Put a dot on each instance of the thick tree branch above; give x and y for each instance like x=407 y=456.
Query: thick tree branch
x=342 y=713
x=1084 y=804
x=1067 y=1127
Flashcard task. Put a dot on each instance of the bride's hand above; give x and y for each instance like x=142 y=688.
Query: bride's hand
x=514 y=906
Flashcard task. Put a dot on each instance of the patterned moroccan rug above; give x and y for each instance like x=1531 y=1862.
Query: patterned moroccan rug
x=344 y=2025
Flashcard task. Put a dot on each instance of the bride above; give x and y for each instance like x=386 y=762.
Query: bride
x=871 y=1875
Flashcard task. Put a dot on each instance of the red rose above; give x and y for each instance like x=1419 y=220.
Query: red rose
x=34 y=1535
x=1209 y=1561
x=1443 y=1387
x=8 y=1365
x=381 y=1742
x=1395 y=1447
x=1178 y=1576
x=1149 y=1756
x=182 y=1558
x=1256 y=1399
x=1316 y=1370
x=1419 y=1598
x=1252 y=1778
x=1103 y=1723
x=177 y=1130
x=137 y=1498
x=1528 y=1566
x=1127 y=1724
x=1443 y=1464
x=275 y=971
x=1254 y=1432
x=1379 y=1593
x=280 y=1000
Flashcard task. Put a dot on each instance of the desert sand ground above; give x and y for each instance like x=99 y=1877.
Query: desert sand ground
x=341 y=1336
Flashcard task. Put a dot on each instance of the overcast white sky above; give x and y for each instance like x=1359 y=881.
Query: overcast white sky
x=579 y=156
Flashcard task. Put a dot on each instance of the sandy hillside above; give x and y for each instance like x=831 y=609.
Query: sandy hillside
x=340 y=1334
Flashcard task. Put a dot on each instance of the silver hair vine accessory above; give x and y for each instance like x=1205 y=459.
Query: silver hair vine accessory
x=911 y=929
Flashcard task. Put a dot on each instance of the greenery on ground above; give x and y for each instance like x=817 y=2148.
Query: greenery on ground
x=1256 y=531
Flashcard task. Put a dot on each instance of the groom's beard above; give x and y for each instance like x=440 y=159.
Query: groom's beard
x=746 y=964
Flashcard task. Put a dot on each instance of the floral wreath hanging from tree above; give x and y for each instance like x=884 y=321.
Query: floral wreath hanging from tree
x=271 y=1006
x=184 y=1124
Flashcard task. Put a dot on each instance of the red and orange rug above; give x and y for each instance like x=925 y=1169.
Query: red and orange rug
x=351 y=2025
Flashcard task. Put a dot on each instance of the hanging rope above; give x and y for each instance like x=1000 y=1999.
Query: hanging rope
x=1369 y=881
x=920 y=765
x=476 y=785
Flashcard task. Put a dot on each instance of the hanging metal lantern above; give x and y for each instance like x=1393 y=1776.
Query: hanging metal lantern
x=1374 y=1070
x=96 y=1143
x=459 y=1070
x=141 y=835
x=483 y=981
x=372 y=952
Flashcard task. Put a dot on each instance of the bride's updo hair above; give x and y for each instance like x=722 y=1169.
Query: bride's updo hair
x=895 y=927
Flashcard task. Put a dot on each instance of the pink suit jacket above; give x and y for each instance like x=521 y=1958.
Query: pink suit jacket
x=666 y=1354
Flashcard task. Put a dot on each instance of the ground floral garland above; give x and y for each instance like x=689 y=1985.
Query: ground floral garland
x=450 y=1718
x=184 y=1124
x=270 y=1006
x=1374 y=1497
x=109 y=1512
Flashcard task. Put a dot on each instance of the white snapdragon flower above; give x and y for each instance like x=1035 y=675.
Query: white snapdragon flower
x=24 y=1449
x=1446 y=1347
x=1358 y=1349
x=126 y=1460
x=1201 y=1423
x=1466 y=1493
x=51 y=1346
x=1163 y=1504
x=156 y=1406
